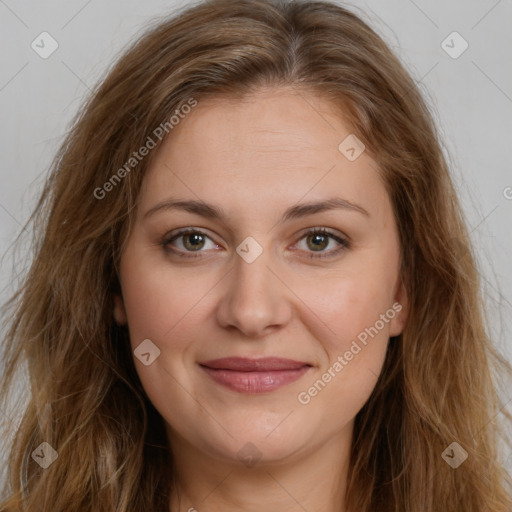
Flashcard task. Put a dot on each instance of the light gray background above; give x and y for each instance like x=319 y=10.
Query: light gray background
x=470 y=95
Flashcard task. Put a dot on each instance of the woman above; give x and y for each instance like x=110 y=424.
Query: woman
x=248 y=290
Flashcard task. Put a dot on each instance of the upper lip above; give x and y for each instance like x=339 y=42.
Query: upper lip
x=264 y=364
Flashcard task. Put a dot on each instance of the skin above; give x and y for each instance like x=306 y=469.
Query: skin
x=254 y=159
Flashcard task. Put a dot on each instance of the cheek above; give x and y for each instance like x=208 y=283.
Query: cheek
x=354 y=347
x=159 y=303
x=353 y=312
x=348 y=303
x=167 y=310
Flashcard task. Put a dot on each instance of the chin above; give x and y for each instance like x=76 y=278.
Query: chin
x=262 y=445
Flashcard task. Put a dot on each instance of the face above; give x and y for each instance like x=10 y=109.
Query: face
x=301 y=300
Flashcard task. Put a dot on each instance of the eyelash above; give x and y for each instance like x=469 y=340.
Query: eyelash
x=344 y=244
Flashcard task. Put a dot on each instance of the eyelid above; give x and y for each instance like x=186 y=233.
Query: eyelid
x=171 y=236
x=343 y=240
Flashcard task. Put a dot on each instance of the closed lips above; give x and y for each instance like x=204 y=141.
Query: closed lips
x=252 y=376
x=240 y=364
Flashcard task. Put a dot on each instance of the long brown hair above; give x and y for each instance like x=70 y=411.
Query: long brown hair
x=438 y=385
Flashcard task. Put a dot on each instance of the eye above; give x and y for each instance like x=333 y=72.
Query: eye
x=193 y=241
x=319 y=238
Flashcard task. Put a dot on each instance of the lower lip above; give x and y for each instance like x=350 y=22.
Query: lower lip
x=255 y=382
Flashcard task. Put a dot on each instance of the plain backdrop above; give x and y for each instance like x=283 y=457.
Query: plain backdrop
x=470 y=94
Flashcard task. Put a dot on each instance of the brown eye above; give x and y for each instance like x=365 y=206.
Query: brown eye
x=187 y=241
x=193 y=241
x=318 y=239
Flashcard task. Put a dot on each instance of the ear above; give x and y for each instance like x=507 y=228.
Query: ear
x=401 y=308
x=119 y=310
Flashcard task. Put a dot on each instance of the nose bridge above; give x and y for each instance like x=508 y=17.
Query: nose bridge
x=254 y=298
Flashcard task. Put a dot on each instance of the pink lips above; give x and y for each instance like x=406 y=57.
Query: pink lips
x=254 y=375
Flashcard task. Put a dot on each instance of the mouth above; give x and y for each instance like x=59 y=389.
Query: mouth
x=254 y=376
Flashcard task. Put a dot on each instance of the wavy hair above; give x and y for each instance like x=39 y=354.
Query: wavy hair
x=439 y=382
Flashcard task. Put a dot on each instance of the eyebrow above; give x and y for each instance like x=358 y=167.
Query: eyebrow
x=295 y=212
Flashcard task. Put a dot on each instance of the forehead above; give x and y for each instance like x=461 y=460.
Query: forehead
x=271 y=125
x=276 y=145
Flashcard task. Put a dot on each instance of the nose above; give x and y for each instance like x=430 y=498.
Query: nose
x=256 y=299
